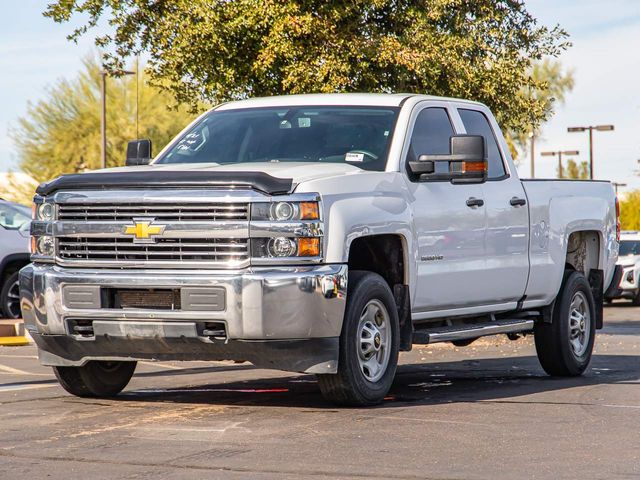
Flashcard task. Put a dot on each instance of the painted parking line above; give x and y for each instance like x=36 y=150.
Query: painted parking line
x=14 y=371
x=12 y=388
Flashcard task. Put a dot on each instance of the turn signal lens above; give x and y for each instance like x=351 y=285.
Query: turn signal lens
x=309 y=211
x=308 y=247
x=474 y=166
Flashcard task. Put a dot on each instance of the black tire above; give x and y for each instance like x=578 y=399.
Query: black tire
x=553 y=340
x=636 y=300
x=95 y=379
x=350 y=386
x=9 y=304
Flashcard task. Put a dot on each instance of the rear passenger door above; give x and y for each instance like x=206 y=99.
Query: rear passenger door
x=507 y=212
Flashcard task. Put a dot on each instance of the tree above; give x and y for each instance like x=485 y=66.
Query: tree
x=550 y=86
x=218 y=50
x=630 y=211
x=574 y=170
x=61 y=134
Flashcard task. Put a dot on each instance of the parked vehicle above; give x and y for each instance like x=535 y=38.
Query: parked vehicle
x=14 y=254
x=319 y=234
x=629 y=261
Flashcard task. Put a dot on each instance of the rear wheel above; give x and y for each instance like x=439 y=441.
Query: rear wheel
x=96 y=378
x=565 y=346
x=369 y=344
x=10 y=297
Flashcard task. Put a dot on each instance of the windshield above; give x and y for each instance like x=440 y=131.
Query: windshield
x=357 y=136
x=14 y=216
x=629 y=247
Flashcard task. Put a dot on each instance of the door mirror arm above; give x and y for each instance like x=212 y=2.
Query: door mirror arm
x=467 y=162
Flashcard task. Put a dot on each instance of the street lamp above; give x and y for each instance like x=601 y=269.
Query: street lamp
x=600 y=128
x=103 y=117
x=559 y=153
x=616 y=185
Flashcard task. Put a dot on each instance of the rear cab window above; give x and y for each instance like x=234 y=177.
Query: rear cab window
x=476 y=123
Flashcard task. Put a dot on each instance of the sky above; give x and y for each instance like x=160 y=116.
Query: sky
x=604 y=58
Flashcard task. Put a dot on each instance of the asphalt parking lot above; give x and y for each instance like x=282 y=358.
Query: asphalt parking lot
x=486 y=411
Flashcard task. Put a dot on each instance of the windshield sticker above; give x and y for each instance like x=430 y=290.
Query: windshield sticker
x=354 y=157
x=304 y=122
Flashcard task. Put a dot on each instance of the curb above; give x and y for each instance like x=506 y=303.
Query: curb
x=12 y=333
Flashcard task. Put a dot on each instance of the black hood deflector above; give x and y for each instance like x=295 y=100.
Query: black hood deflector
x=169 y=179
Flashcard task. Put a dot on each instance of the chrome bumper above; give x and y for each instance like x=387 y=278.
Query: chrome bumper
x=288 y=318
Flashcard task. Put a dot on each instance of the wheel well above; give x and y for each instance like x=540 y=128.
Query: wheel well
x=583 y=251
x=382 y=254
x=10 y=267
x=385 y=255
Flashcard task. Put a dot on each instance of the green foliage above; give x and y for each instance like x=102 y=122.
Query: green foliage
x=630 y=211
x=218 y=50
x=574 y=170
x=61 y=134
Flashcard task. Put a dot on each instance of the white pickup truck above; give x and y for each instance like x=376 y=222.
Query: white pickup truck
x=320 y=234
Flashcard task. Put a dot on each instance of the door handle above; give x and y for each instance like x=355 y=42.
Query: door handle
x=517 y=202
x=474 y=202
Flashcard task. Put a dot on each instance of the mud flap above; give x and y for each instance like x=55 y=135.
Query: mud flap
x=401 y=295
x=596 y=280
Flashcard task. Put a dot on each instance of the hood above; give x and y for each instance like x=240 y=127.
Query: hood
x=298 y=172
x=270 y=177
x=628 y=260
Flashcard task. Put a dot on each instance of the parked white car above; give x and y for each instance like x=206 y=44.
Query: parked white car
x=14 y=254
x=319 y=234
x=629 y=261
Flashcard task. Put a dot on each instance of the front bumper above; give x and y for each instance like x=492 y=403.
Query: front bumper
x=287 y=318
x=627 y=285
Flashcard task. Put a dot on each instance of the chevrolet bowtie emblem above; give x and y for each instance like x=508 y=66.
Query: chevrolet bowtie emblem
x=143 y=230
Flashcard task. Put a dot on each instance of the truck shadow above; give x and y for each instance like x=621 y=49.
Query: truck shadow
x=434 y=383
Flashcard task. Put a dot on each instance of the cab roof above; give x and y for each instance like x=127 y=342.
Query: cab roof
x=333 y=99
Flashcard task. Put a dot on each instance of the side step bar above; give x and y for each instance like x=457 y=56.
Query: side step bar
x=466 y=332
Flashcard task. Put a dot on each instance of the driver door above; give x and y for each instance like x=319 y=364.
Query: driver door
x=449 y=222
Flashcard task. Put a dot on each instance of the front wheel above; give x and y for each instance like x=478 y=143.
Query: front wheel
x=10 y=297
x=96 y=378
x=369 y=344
x=565 y=345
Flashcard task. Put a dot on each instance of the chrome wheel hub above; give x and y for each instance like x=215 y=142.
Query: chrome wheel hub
x=579 y=324
x=374 y=340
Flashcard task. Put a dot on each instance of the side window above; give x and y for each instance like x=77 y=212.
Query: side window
x=431 y=134
x=475 y=123
x=13 y=218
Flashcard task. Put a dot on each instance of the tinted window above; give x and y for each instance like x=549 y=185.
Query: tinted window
x=475 y=123
x=629 y=247
x=355 y=135
x=14 y=216
x=431 y=135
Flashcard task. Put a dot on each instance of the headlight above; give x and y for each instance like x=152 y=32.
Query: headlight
x=285 y=247
x=43 y=211
x=42 y=246
x=285 y=211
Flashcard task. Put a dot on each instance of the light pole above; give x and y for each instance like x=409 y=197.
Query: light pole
x=600 y=128
x=532 y=135
x=103 y=116
x=616 y=185
x=559 y=153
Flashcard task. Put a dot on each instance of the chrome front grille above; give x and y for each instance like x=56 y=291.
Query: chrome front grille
x=170 y=212
x=226 y=251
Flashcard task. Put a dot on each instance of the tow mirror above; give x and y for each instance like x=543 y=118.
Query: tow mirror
x=138 y=153
x=467 y=162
